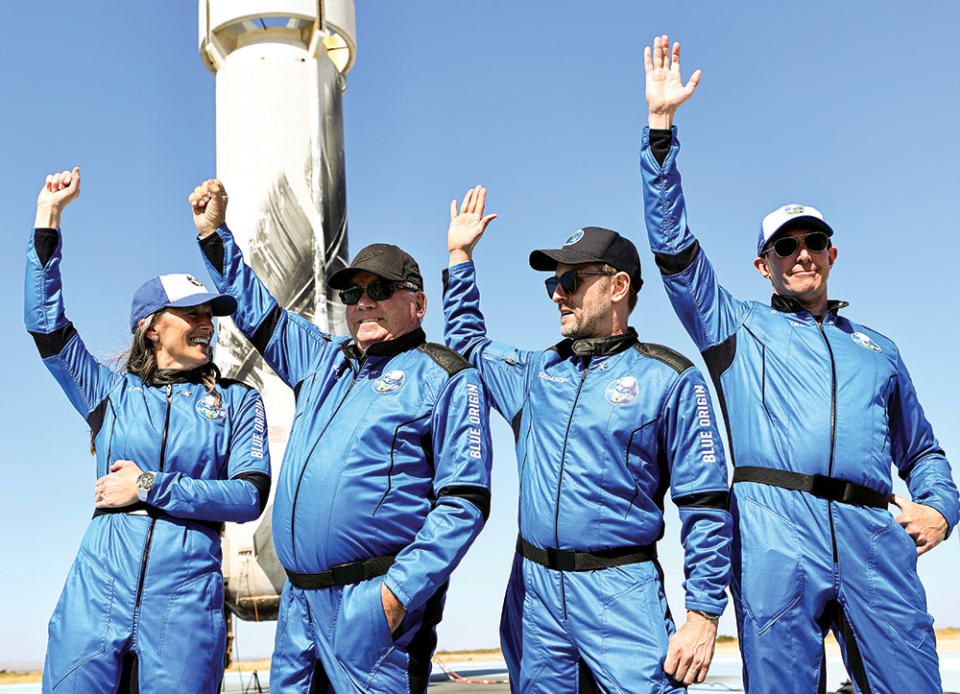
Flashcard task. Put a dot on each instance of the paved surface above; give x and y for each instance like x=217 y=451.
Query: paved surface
x=495 y=671
x=724 y=677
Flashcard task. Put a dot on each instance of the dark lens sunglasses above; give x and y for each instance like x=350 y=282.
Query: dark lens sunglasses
x=568 y=280
x=378 y=290
x=814 y=242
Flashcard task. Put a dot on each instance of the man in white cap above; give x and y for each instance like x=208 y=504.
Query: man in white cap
x=817 y=410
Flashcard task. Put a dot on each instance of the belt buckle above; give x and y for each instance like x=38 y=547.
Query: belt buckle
x=829 y=487
x=345 y=574
x=563 y=559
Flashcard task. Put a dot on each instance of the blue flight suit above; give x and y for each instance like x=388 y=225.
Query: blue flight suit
x=826 y=397
x=149 y=582
x=603 y=428
x=388 y=458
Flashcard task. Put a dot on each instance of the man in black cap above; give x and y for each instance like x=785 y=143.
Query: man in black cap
x=385 y=480
x=604 y=424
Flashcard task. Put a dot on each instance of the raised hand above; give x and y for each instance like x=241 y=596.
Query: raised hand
x=666 y=91
x=467 y=224
x=59 y=190
x=209 y=203
x=925 y=525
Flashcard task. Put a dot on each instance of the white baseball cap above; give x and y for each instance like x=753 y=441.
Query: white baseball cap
x=790 y=217
x=176 y=290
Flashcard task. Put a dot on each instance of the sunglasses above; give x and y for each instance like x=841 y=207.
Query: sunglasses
x=786 y=246
x=378 y=290
x=568 y=280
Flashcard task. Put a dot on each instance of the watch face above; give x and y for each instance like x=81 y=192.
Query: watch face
x=145 y=480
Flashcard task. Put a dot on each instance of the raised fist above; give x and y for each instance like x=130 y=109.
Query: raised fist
x=59 y=190
x=209 y=203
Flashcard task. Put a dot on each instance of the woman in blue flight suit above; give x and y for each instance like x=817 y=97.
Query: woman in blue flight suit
x=179 y=451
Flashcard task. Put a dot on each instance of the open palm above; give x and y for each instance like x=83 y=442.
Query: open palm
x=468 y=223
x=665 y=88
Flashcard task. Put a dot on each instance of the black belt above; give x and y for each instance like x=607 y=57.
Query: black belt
x=154 y=512
x=343 y=574
x=572 y=560
x=831 y=488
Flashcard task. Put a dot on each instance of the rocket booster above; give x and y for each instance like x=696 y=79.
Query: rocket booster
x=280 y=69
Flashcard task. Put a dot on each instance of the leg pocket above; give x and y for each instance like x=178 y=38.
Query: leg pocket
x=896 y=594
x=193 y=636
x=634 y=630
x=770 y=575
x=362 y=635
x=78 y=629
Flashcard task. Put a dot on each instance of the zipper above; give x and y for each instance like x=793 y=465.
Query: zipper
x=563 y=456
x=153 y=521
x=306 y=461
x=833 y=431
x=113 y=429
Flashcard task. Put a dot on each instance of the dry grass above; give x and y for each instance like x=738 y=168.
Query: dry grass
x=8 y=677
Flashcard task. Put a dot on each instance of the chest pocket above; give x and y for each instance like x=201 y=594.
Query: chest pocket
x=631 y=469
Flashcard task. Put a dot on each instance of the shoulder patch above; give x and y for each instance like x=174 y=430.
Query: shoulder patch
x=671 y=358
x=876 y=332
x=450 y=361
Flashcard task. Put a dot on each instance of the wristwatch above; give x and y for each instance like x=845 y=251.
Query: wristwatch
x=707 y=615
x=145 y=484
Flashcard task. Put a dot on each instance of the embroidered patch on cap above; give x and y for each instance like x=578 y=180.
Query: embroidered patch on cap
x=574 y=237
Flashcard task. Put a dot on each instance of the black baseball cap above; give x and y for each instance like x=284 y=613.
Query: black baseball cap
x=384 y=260
x=592 y=245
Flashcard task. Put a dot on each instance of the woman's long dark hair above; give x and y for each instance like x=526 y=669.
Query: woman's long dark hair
x=141 y=359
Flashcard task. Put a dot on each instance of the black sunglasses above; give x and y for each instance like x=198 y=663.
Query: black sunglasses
x=786 y=246
x=378 y=290
x=568 y=280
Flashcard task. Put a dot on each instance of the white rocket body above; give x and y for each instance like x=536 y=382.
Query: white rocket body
x=280 y=69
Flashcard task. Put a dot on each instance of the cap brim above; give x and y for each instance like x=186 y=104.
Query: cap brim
x=547 y=259
x=220 y=304
x=342 y=279
x=804 y=222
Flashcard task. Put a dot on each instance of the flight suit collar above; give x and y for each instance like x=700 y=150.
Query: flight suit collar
x=162 y=377
x=788 y=304
x=597 y=346
x=387 y=348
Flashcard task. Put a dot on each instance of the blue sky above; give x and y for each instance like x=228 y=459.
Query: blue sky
x=851 y=107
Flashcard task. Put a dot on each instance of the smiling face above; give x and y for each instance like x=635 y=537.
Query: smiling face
x=587 y=312
x=802 y=276
x=372 y=321
x=181 y=337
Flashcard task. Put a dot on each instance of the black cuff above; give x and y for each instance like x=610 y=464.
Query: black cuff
x=49 y=344
x=212 y=247
x=261 y=482
x=718 y=500
x=45 y=243
x=673 y=263
x=478 y=496
x=660 y=141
